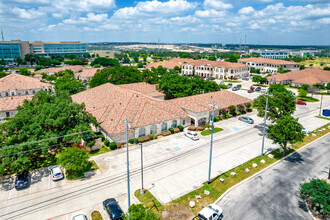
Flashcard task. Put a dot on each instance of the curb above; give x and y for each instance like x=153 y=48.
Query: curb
x=270 y=166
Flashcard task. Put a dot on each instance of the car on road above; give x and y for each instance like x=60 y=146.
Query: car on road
x=22 y=180
x=300 y=102
x=258 y=89
x=246 y=119
x=211 y=212
x=79 y=216
x=229 y=85
x=192 y=135
x=56 y=173
x=250 y=91
x=113 y=209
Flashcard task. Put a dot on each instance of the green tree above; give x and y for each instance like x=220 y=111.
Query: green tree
x=2 y=74
x=302 y=67
x=139 y=212
x=286 y=130
x=256 y=78
x=282 y=70
x=69 y=83
x=304 y=87
x=302 y=93
x=74 y=160
x=280 y=103
x=24 y=71
x=45 y=116
x=38 y=67
x=326 y=68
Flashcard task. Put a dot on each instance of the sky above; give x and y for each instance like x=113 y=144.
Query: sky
x=289 y=22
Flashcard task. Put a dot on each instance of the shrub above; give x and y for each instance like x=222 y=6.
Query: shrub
x=216 y=119
x=232 y=110
x=131 y=141
x=227 y=116
x=249 y=110
x=151 y=136
x=192 y=128
x=171 y=130
x=181 y=127
x=220 y=118
x=113 y=146
x=156 y=136
x=207 y=125
x=200 y=128
x=107 y=143
x=118 y=145
x=176 y=130
x=223 y=112
x=146 y=138
x=136 y=141
x=166 y=133
x=90 y=144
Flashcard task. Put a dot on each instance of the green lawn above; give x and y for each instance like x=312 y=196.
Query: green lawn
x=232 y=81
x=307 y=99
x=208 y=131
x=103 y=150
x=323 y=117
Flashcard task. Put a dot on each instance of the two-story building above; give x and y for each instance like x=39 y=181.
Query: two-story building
x=269 y=65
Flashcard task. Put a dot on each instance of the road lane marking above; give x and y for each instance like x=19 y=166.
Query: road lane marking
x=49 y=181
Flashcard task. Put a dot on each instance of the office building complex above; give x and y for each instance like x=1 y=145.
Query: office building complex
x=271 y=54
x=16 y=48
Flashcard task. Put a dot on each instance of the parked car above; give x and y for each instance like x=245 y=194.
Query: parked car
x=79 y=216
x=300 y=102
x=235 y=88
x=211 y=78
x=211 y=212
x=229 y=85
x=250 y=91
x=22 y=180
x=56 y=172
x=245 y=78
x=192 y=135
x=246 y=119
x=258 y=89
x=113 y=209
x=264 y=90
x=221 y=83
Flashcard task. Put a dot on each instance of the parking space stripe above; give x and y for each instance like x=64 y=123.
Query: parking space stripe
x=73 y=211
x=10 y=193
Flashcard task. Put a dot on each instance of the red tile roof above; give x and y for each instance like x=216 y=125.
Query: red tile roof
x=170 y=64
x=144 y=88
x=267 y=61
x=88 y=73
x=74 y=68
x=20 y=82
x=306 y=76
x=12 y=102
x=111 y=104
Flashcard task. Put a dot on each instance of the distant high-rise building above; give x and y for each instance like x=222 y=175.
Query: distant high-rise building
x=16 y=48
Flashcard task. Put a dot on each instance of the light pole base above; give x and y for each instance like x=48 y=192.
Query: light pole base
x=142 y=191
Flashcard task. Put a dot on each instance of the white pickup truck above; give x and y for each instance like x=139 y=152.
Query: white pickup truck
x=211 y=212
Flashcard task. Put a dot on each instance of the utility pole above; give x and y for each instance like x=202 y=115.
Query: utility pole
x=142 y=189
x=321 y=104
x=210 y=161
x=3 y=39
x=264 y=131
x=128 y=187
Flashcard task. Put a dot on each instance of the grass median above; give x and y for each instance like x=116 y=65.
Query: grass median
x=208 y=131
x=217 y=188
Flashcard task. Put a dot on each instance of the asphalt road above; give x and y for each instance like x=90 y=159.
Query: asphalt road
x=274 y=194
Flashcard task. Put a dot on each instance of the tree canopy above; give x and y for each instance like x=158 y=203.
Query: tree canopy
x=74 y=160
x=139 y=212
x=285 y=131
x=45 y=116
x=280 y=102
x=103 y=61
x=69 y=83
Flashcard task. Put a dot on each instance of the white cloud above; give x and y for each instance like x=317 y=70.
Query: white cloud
x=91 y=19
x=217 y=4
x=246 y=10
x=27 y=13
x=210 y=13
x=323 y=20
x=155 y=8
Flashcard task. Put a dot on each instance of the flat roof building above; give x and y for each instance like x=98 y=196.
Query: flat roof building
x=16 y=48
x=271 y=54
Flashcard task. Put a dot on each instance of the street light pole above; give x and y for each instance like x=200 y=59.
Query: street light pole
x=128 y=187
x=211 y=144
x=321 y=104
x=264 y=131
x=142 y=190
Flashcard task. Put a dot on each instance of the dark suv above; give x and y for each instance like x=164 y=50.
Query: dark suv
x=22 y=180
x=113 y=209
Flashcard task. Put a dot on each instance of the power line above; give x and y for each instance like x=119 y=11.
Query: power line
x=34 y=142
